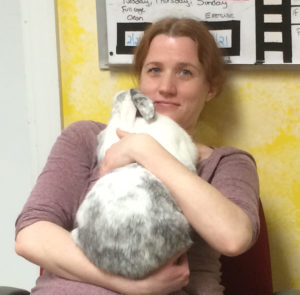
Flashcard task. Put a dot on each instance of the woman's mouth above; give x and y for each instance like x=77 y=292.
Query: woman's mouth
x=166 y=107
x=166 y=103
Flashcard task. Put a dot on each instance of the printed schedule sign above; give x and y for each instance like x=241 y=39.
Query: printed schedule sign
x=250 y=31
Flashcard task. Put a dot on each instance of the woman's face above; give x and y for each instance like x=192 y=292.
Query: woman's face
x=173 y=77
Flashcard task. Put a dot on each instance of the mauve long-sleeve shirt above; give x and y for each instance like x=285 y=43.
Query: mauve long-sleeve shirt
x=72 y=169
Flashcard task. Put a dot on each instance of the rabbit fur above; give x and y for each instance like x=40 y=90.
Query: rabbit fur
x=129 y=224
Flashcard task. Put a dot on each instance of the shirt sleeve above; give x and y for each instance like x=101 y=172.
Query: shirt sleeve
x=65 y=178
x=236 y=178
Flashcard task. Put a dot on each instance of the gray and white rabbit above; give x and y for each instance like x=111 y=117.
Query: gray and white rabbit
x=129 y=224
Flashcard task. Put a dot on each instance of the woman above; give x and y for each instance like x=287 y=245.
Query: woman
x=180 y=68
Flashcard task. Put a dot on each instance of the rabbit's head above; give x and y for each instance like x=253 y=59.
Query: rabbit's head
x=128 y=105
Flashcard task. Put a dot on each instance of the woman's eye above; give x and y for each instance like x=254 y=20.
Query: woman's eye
x=154 y=70
x=185 y=73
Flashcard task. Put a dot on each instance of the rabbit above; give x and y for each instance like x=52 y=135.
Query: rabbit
x=129 y=224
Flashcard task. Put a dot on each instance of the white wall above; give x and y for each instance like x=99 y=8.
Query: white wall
x=29 y=117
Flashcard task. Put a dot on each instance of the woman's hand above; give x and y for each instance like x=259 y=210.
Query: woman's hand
x=124 y=152
x=171 y=277
x=118 y=155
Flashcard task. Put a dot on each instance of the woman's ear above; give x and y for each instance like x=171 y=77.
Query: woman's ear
x=211 y=94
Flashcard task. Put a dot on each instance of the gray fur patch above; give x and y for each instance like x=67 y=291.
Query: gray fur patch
x=135 y=244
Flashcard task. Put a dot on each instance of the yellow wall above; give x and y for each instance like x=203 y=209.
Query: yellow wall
x=258 y=111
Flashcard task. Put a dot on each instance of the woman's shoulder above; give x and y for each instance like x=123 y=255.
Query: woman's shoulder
x=211 y=153
x=80 y=136
x=229 y=152
x=82 y=131
x=226 y=156
x=85 y=125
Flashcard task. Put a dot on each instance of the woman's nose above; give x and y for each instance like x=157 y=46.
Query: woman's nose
x=167 y=85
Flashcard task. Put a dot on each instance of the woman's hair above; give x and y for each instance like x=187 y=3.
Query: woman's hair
x=210 y=56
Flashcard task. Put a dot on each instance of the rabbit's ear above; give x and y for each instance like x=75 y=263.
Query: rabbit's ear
x=144 y=104
x=124 y=110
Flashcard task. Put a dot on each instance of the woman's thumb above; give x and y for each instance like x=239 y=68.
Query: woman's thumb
x=121 y=133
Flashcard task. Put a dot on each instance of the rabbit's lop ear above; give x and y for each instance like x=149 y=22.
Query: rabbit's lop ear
x=144 y=104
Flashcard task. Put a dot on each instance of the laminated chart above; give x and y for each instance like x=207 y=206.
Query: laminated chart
x=249 y=31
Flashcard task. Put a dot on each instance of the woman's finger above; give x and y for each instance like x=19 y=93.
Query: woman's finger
x=121 y=133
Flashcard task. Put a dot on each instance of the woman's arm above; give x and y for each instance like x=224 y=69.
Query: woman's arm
x=42 y=228
x=224 y=225
x=53 y=248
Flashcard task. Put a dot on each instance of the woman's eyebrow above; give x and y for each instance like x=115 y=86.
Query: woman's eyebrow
x=155 y=63
x=187 y=64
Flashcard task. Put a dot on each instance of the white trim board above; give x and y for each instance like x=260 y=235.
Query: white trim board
x=42 y=77
x=30 y=117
